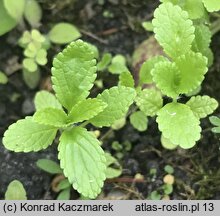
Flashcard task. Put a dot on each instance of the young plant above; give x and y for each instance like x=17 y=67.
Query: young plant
x=35 y=47
x=166 y=188
x=81 y=157
x=180 y=71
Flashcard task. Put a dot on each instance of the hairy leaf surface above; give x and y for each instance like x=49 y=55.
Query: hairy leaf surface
x=51 y=116
x=149 y=101
x=195 y=8
x=147 y=67
x=173 y=29
x=83 y=161
x=85 y=110
x=178 y=124
x=202 y=106
x=73 y=73
x=45 y=99
x=118 y=99
x=26 y=135
x=192 y=67
x=212 y=5
x=167 y=78
x=15 y=191
x=126 y=79
x=139 y=120
x=202 y=38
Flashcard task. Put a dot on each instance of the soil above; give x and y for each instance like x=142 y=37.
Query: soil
x=197 y=173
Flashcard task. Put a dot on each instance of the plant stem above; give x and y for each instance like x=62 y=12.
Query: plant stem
x=84 y=124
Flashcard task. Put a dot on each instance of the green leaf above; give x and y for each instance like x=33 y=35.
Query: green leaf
x=118 y=124
x=3 y=78
x=178 y=124
x=149 y=101
x=155 y=195
x=25 y=39
x=118 y=65
x=15 y=191
x=169 y=169
x=216 y=122
x=37 y=37
x=209 y=54
x=85 y=110
x=41 y=57
x=167 y=144
x=105 y=61
x=118 y=99
x=168 y=189
x=126 y=79
x=6 y=21
x=63 y=33
x=49 y=166
x=45 y=99
x=83 y=161
x=26 y=135
x=202 y=39
x=73 y=73
x=139 y=121
x=64 y=184
x=167 y=78
x=64 y=194
x=30 y=51
x=146 y=68
x=15 y=8
x=192 y=68
x=32 y=12
x=173 y=29
x=31 y=79
x=202 y=106
x=148 y=26
x=112 y=172
x=29 y=64
x=195 y=8
x=51 y=116
x=212 y=5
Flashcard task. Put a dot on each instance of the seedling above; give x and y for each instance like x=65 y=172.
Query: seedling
x=166 y=188
x=121 y=149
x=15 y=191
x=82 y=159
x=180 y=71
x=35 y=47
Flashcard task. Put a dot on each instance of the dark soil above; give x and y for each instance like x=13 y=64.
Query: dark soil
x=197 y=174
